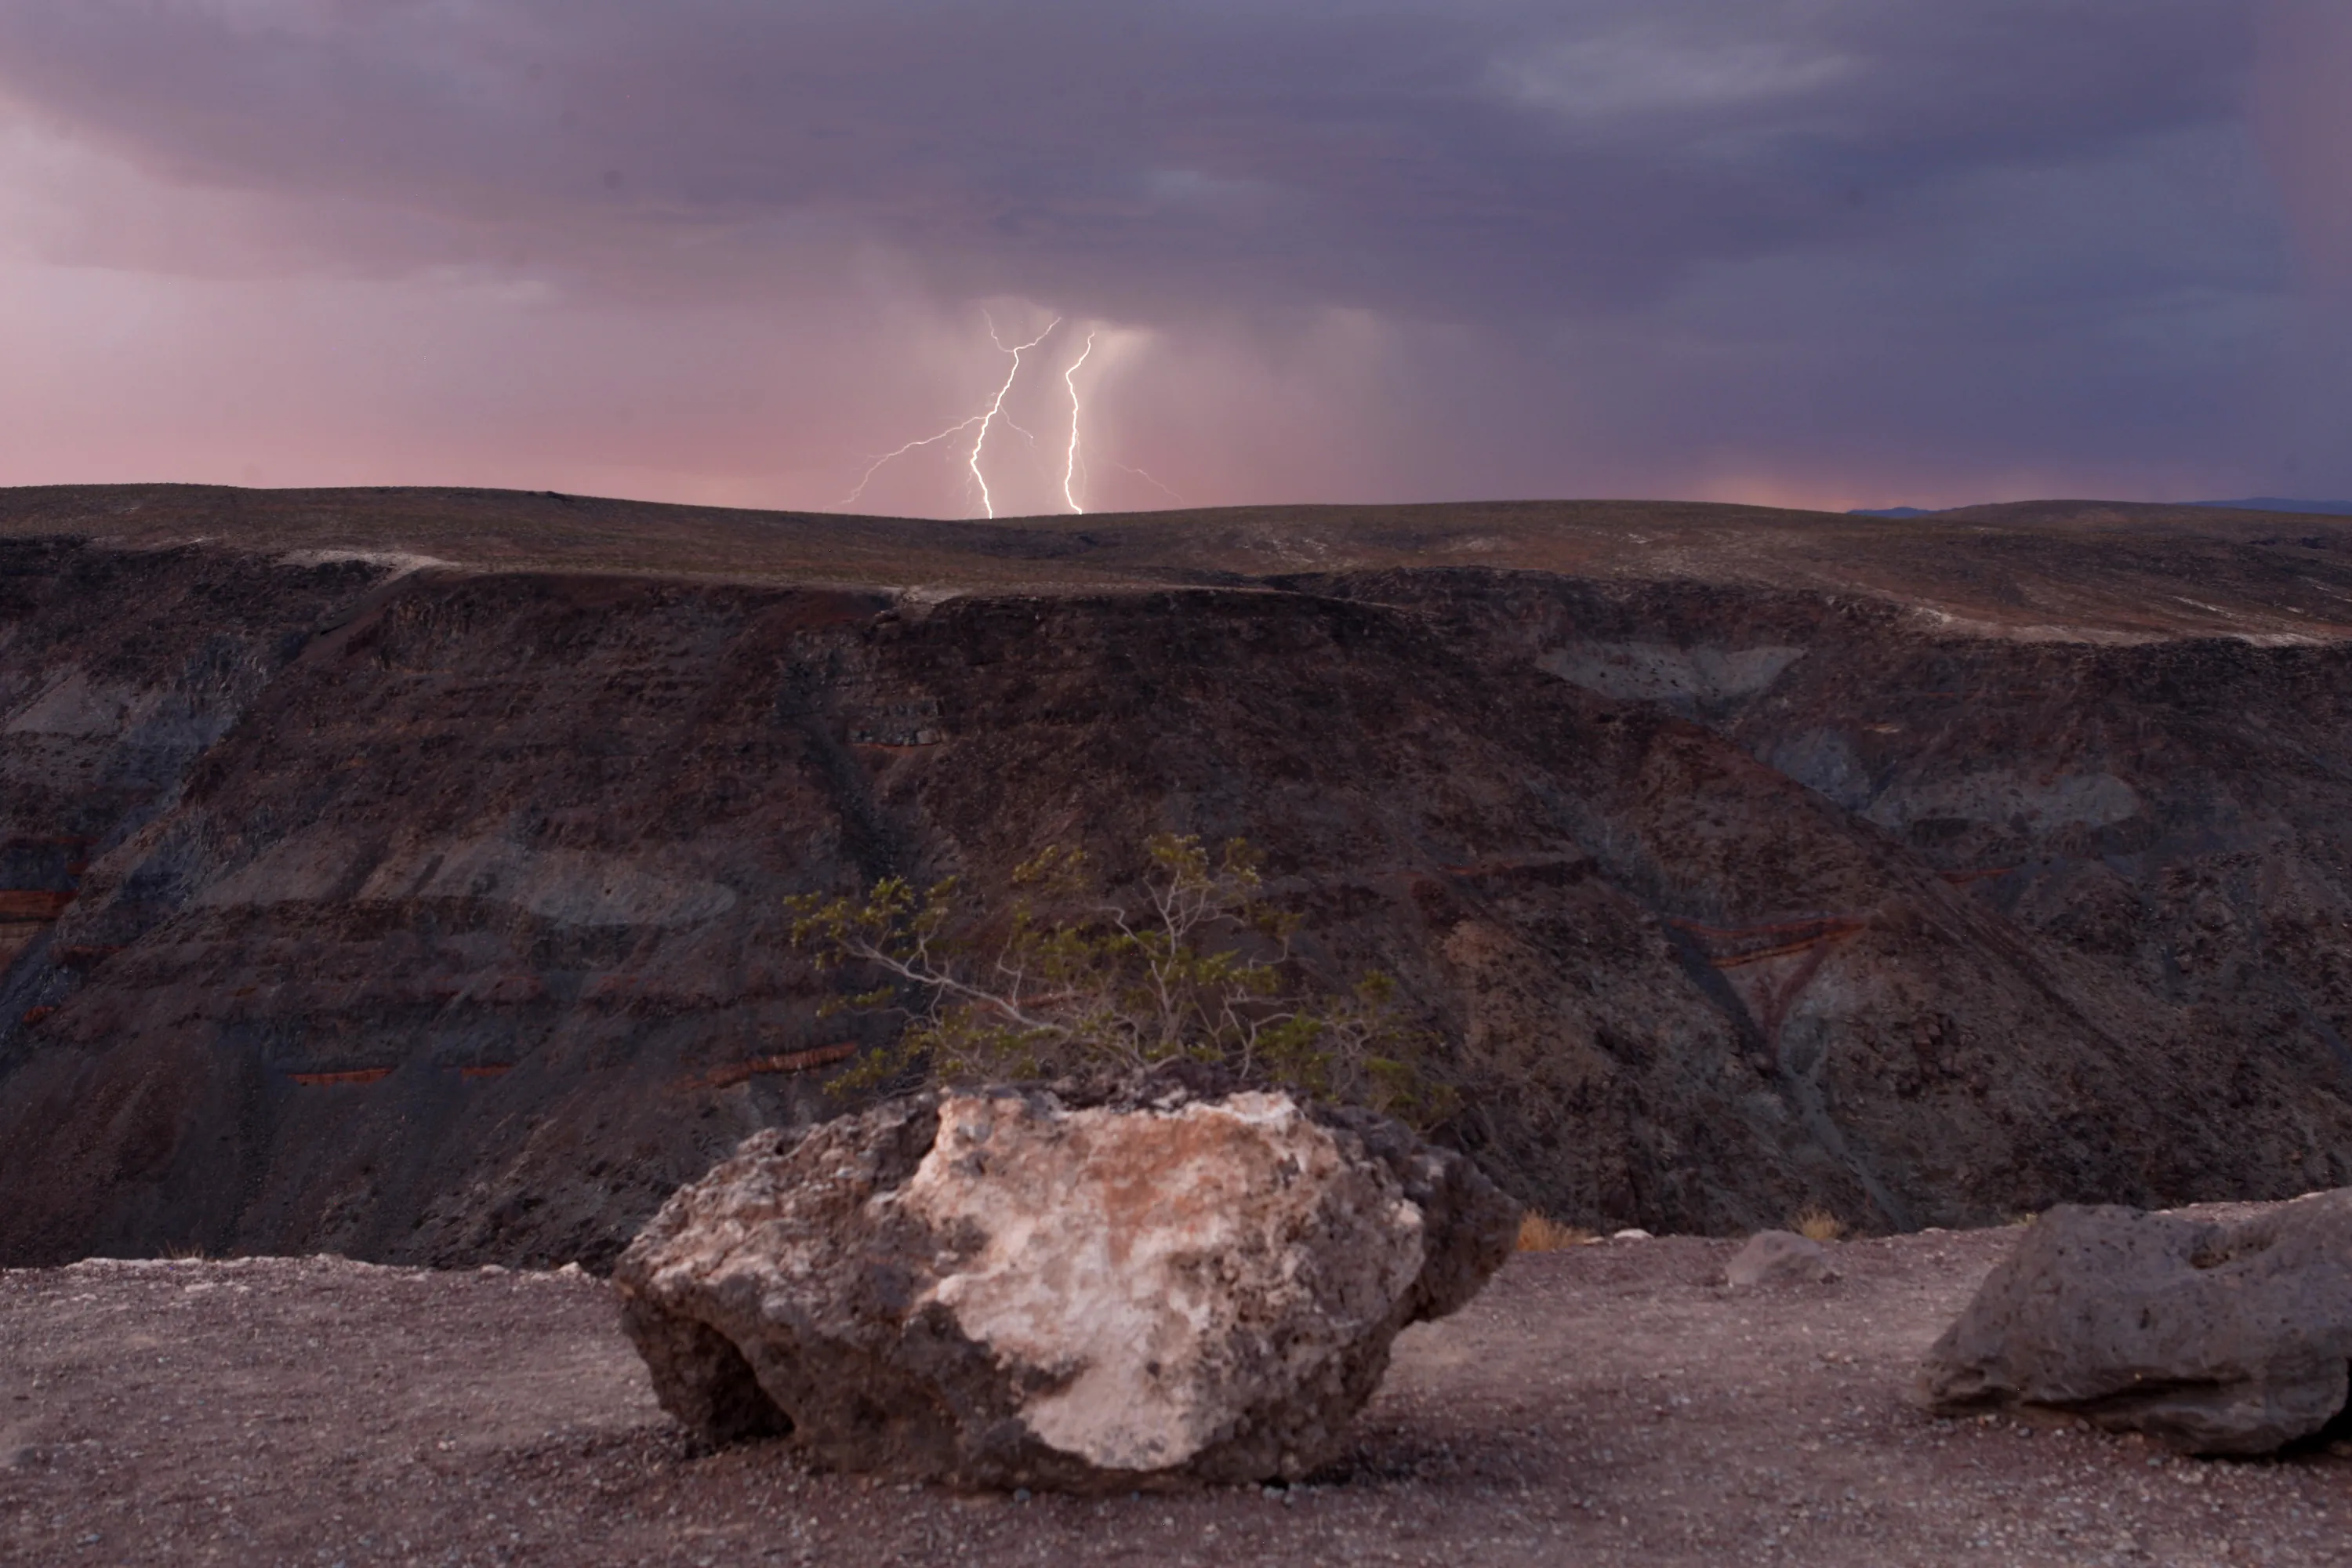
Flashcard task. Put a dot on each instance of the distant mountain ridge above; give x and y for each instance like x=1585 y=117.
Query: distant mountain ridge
x=2281 y=503
x=2253 y=503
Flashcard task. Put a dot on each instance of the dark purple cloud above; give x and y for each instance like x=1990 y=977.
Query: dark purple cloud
x=1833 y=247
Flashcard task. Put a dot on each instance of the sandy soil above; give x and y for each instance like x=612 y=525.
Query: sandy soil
x=1609 y=1405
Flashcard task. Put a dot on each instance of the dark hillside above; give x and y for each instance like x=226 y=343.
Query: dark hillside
x=1931 y=870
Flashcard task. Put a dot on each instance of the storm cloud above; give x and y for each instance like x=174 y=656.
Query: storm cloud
x=1826 y=251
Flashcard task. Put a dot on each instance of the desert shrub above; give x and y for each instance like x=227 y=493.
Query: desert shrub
x=1063 y=980
x=1815 y=1223
x=1541 y=1233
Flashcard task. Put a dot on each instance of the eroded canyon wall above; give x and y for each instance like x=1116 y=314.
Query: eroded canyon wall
x=433 y=915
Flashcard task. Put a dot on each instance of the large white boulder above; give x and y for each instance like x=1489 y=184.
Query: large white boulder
x=1008 y=1288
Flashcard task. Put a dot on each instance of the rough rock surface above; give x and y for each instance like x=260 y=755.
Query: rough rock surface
x=1778 y=1257
x=1005 y=1289
x=2213 y=1338
x=429 y=913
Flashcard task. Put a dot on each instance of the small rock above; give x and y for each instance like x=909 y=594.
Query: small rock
x=1630 y=1233
x=1778 y=1257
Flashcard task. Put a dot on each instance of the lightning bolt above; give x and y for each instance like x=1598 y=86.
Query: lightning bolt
x=875 y=465
x=1127 y=468
x=984 y=418
x=989 y=418
x=1070 y=465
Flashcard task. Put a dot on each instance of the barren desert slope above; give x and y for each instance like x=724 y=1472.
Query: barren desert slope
x=397 y=873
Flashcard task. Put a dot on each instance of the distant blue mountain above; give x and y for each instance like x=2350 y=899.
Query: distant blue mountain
x=2254 y=503
x=2280 y=503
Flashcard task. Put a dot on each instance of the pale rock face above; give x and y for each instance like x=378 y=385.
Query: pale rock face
x=1119 y=1244
x=1662 y=672
x=568 y=886
x=1004 y=1288
x=2002 y=795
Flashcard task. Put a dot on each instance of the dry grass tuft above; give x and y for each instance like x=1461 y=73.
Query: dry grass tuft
x=1540 y=1233
x=1815 y=1223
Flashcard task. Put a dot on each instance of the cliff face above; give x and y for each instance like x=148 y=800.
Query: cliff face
x=434 y=914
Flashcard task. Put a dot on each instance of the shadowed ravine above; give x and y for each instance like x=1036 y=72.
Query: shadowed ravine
x=1931 y=871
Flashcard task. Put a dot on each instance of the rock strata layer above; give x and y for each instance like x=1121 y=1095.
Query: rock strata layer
x=2211 y=1338
x=1006 y=1288
x=428 y=913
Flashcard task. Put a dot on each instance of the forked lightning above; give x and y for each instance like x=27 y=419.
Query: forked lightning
x=1073 y=458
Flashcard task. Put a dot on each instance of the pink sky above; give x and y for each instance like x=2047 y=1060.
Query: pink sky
x=1825 y=254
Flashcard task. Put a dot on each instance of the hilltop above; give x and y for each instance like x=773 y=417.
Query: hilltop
x=2103 y=570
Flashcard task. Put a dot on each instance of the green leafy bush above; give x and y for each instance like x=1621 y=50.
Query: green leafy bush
x=1064 y=981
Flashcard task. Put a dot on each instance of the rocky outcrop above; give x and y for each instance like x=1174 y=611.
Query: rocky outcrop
x=1006 y=1288
x=430 y=912
x=2214 y=1338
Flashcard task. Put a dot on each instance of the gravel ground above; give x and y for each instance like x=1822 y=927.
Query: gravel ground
x=1607 y=1404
